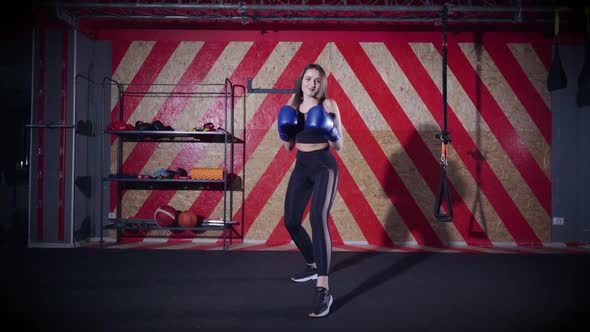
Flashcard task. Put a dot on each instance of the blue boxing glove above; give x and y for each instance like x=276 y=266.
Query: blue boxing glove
x=318 y=118
x=287 y=123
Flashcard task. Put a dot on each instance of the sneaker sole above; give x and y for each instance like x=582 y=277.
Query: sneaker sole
x=311 y=277
x=326 y=312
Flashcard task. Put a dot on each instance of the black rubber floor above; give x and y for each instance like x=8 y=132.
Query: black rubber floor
x=180 y=290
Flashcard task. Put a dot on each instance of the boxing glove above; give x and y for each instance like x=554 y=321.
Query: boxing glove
x=318 y=118
x=287 y=123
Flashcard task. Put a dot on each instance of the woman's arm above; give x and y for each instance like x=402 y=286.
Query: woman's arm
x=332 y=108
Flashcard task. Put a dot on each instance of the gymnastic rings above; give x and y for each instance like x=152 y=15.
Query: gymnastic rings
x=443 y=188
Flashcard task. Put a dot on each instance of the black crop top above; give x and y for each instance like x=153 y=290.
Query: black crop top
x=308 y=135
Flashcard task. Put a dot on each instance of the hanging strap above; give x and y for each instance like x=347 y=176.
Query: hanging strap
x=443 y=189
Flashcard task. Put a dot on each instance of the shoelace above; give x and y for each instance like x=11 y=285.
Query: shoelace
x=320 y=297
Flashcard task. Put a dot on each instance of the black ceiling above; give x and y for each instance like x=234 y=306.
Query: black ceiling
x=314 y=14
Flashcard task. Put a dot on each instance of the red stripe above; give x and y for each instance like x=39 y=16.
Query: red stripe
x=465 y=148
x=392 y=183
x=188 y=155
x=261 y=122
x=307 y=35
x=521 y=85
x=500 y=126
x=62 y=143
x=268 y=35
x=279 y=234
x=119 y=49
x=41 y=136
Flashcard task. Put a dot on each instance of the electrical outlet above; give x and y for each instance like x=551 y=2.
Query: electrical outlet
x=558 y=221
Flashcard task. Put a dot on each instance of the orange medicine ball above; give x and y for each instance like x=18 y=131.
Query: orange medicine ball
x=187 y=219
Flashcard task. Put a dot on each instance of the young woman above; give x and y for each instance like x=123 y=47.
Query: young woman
x=312 y=124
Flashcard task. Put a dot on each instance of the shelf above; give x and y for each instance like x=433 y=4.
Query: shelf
x=226 y=181
x=143 y=224
x=175 y=136
x=123 y=178
x=130 y=182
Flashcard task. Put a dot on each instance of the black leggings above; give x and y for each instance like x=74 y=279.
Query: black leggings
x=315 y=173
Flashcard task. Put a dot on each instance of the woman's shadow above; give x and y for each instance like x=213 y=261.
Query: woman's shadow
x=401 y=262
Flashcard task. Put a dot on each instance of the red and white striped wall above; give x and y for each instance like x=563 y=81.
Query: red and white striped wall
x=388 y=86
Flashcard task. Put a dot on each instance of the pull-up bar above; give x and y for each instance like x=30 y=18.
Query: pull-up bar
x=261 y=90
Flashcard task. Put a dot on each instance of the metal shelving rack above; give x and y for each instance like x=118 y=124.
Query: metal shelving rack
x=129 y=182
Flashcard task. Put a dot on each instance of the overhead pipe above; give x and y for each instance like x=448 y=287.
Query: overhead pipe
x=246 y=13
x=307 y=18
x=242 y=12
x=328 y=8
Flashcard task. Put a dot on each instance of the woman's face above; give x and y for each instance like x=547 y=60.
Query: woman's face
x=311 y=82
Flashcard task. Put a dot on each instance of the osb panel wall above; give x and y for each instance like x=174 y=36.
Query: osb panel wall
x=389 y=90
